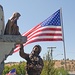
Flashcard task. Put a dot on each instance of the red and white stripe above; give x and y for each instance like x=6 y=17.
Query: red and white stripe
x=45 y=33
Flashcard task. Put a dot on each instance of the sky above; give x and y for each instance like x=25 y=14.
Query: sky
x=35 y=11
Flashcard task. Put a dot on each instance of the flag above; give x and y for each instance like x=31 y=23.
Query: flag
x=48 y=30
x=12 y=72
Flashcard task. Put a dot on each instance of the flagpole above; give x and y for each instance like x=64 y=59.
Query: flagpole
x=63 y=38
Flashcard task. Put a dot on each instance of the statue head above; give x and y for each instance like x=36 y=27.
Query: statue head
x=15 y=15
x=36 y=50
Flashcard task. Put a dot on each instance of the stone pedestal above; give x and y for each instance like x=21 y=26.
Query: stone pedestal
x=7 y=42
x=7 y=45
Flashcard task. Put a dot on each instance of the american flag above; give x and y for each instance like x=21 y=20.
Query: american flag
x=12 y=72
x=48 y=30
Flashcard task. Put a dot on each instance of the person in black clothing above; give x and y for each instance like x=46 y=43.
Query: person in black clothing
x=34 y=61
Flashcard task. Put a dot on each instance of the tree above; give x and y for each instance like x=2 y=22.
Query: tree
x=48 y=65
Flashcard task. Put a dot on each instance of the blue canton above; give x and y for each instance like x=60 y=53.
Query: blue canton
x=53 y=20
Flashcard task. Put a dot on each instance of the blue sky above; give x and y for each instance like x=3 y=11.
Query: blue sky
x=35 y=11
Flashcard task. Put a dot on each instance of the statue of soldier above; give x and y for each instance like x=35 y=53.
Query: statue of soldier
x=34 y=61
x=11 y=26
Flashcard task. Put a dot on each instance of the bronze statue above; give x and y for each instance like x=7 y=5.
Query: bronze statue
x=11 y=26
x=34 y=61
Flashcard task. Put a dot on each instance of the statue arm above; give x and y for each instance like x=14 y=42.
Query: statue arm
x=22 y=53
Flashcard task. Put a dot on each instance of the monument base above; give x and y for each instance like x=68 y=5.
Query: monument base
x=7 y=45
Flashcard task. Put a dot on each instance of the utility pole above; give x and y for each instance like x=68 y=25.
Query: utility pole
x=51 y=51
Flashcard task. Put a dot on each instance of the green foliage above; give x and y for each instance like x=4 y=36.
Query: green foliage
x=20 y=68
x=6 y=70
x=48 y=68
x=61 y=71
x=48 y=65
